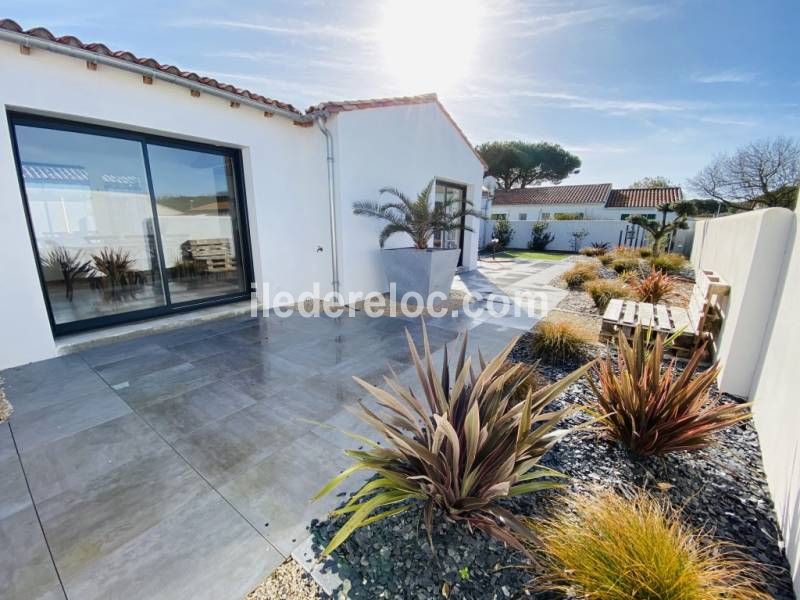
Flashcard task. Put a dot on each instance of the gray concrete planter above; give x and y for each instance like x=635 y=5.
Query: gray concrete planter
x=421 y=271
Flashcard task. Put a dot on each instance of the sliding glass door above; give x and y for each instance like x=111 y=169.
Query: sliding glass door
x=196 y=205
x=128 y=226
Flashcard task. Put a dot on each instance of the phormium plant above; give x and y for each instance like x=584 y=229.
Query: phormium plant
x=468 y=443
x=654 y=288
x=654 y=409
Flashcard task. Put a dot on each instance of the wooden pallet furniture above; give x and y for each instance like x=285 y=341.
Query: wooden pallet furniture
x=697 y=323
x=210 y=255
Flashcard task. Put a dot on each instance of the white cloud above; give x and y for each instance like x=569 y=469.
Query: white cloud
x=533 y=25
x=290 y=28
x=729 y=76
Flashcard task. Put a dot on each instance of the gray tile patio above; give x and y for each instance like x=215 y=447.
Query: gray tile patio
x=181 y=464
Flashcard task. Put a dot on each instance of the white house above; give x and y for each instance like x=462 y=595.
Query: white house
x=590 y=202
x=191 y=190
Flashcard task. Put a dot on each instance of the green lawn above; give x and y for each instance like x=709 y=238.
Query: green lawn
x=533 y=255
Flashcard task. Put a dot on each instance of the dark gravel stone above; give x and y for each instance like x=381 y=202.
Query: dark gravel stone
x=722 y=489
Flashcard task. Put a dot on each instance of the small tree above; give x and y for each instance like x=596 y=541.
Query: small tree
x=417 y=218
x=520 y=164
x=502 y=232
x=652 y=182
x=577 y=239
x=762 y=174
x=659 y=231
x=540 y=237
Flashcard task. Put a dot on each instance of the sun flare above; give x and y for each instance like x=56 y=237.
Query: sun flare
x=429 y=45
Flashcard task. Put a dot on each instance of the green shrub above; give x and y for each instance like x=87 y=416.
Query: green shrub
x=558 y=342
x=568 y=216
x=460 y=447
x=603 y=290
x=580 y=274
x=624 y=263
x=654 y=409
x=668 y=263
x=609 y=547
x=540 y=237
x=645 y=253
x=502 y=232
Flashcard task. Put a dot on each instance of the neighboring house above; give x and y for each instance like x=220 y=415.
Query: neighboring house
x=591 y=202
x=193 y=190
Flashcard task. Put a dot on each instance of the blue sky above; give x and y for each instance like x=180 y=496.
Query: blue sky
x=634 y=88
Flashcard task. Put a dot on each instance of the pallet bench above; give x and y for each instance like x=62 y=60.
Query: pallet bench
x=210 y=256
x=697 y=323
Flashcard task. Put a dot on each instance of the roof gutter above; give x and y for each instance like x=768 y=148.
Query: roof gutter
x=320 y=119
x=34 y=42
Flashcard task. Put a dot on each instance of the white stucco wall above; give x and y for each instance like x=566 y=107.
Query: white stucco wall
x=747 y=250
x=402 y=147
x=590 y=211
x=599 y=231
x=284 y=171
x=758 y=253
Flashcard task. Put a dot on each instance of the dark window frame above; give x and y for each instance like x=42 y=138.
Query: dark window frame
x=240 y=217
x=463 y=188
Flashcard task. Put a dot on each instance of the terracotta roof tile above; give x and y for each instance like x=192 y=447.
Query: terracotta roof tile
x=596 y=193
x=151 y=63
x=333 y=107
x=124 y=55
x=644 y=197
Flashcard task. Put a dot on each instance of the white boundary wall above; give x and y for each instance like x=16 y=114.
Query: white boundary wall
x=599 y=231
x=759 y=255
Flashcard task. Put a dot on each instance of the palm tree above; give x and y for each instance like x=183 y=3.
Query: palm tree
x=417 y=218
x=658 y=231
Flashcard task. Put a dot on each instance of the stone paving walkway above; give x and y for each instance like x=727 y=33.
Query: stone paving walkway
x=180 y=465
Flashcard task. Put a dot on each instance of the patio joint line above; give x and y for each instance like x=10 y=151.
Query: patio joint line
x=183 y=458
x=36 y=512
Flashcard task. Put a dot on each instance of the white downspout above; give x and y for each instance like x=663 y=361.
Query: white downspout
x=320 y=120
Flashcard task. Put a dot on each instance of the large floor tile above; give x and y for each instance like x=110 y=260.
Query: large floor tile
x=276 y=500
x=122 y=350
x=7 y=448
x=205 y=551
x=51 y=423
x=14 y=494
x=227 y=447
x=205 y=347
x=92 y=520
x=272 y=374
x=165 y=383
x=51 y=389
x=74 y=461
x=127 y=369
x=181 y=415
x=26 y=570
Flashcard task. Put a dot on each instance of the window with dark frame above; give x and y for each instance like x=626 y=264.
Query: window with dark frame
x=128 y=226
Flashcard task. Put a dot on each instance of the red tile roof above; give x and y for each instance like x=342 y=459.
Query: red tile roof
x=644 y=198
x=347 y=105
x=332 y=107
x=102 y=49
x=304 y=119
x=596 y=193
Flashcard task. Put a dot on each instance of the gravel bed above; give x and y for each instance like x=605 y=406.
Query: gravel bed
x=721 y=489
x=288 y=582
